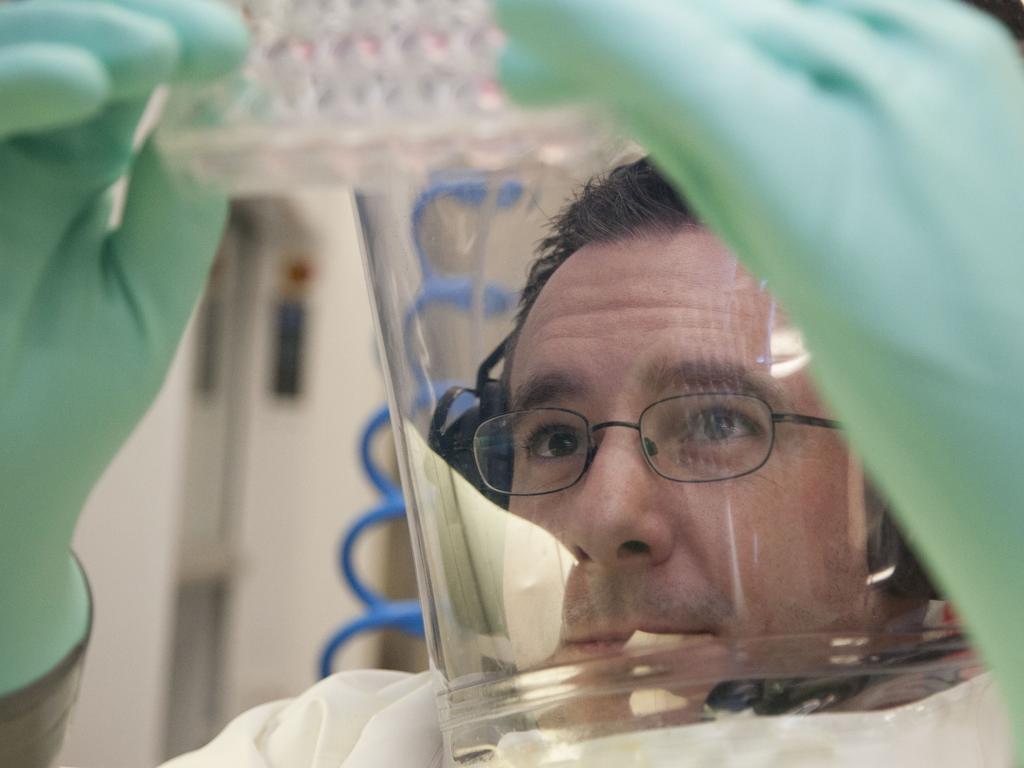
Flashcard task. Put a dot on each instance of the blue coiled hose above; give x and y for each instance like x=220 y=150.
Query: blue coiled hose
x=407 y=615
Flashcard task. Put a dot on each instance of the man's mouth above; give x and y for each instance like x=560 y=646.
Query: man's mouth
x=595 y=645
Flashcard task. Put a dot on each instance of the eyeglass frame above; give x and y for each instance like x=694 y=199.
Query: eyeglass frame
x=592 y=446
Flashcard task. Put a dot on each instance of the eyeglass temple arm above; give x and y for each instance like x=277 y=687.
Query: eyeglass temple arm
x=810 y=421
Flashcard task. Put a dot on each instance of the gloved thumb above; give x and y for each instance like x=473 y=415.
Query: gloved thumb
x=164 y=247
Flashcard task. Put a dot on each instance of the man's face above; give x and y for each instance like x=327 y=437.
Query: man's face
x=779 y=551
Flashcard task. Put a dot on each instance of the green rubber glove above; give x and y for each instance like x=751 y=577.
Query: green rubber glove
x=867 y=157
x=89 y=315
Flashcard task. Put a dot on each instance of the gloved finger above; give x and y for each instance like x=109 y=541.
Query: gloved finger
x=45 y=85
x=689 y=89
x=529 y=82
x=71 y=163
x=138 y=53
x=794 y=36
x=722 y=205
x=604 y=38
x=705 y=95
x=608 y=49
x=668 y=58
x=163 y=249
x=57 y=176
x=212 y=37
x=942 y=24
x=809 y=38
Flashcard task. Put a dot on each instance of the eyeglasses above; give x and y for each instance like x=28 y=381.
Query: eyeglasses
x=697 y=438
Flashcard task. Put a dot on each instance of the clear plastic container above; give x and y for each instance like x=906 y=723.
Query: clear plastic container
x=346 y=91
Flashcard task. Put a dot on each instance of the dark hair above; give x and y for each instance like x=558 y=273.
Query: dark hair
x=631 y=201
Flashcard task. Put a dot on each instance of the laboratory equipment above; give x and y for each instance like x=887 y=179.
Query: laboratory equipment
x=380 y=612
x=346 y=90
x=638 y=528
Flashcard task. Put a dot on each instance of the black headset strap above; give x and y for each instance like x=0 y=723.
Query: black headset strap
x=483 y=373
x=444 y=405
x=437 y=421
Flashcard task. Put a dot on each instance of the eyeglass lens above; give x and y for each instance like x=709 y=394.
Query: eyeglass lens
x=689 y=438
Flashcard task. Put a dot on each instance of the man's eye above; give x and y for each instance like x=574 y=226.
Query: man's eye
x=553 y=443
x=715 y=424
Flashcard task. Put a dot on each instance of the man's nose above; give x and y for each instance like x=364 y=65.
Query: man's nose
x=619 y=519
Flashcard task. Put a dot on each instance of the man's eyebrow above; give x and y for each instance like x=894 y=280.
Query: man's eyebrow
x=544 y=389
x=715 y=376
x=680 y=377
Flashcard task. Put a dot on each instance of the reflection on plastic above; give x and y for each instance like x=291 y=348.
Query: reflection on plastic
x=519 y=607
x=963 y=726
